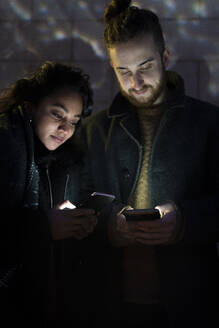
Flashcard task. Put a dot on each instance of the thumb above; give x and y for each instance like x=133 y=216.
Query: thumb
x=121 y=220
x=64 y=205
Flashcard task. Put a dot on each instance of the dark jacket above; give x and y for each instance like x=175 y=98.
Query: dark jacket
x=26 y=247
x=184 y=169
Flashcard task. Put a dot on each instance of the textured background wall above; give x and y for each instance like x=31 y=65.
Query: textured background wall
x=71 y=31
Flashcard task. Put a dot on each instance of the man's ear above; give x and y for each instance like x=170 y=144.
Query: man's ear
x=166 y=56
x=111 y=64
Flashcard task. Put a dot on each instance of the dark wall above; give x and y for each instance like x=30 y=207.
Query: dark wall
x=71 y=31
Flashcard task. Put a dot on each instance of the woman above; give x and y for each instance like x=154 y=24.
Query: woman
x=40 y=172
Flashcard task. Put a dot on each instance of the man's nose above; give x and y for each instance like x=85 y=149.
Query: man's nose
x=137 y=81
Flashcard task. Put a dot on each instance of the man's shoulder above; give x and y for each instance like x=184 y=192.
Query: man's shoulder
x=200 y=104
x=202 y=109
x=202 y=112
x=97 y=118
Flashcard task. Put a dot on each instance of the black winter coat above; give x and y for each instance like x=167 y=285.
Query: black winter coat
x=25 y=243
x=184 y=169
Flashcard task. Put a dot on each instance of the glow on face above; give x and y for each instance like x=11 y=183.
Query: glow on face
x=140 y=70
x=56 y=116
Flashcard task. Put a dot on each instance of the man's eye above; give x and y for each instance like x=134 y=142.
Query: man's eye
x=146 y=68
x=124 y=73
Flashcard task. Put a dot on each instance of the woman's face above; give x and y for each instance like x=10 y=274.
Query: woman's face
x=56 y=116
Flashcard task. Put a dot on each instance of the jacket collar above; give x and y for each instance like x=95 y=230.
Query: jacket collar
x=120 y=106
x=175 y=97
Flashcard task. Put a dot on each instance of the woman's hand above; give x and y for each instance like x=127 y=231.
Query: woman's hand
x=67 y=221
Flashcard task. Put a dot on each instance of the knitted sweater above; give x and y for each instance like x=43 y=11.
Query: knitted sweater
x=142 y=286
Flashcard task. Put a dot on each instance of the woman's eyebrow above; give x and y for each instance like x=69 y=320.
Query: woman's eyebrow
x=65 y=109
x=61 y=106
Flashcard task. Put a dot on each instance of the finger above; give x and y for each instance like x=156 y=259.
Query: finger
x=162 y=229
x=90 y=229
x=136 y=226
x=65 y=204
x=63 y=235
x=121 y=210
x=91 y=219
x=121 y=220
x=150 y=235
x=152 y=242
x=79 y=212
x=77 y=223
x=74 y=218
x=80 y=237
x=87 y=221
x=128 y=227
x=78 y=234
x=84 y=232
x=156 y=227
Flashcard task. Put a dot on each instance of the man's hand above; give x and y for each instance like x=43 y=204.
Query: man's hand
x=154 y=232
x=66 y=222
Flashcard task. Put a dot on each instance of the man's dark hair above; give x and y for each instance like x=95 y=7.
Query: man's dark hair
x=125 y=22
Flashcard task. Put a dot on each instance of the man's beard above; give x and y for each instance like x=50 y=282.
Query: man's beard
x=147 y=100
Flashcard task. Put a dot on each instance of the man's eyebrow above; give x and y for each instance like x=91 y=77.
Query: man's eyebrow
x=120 y=67
x=65 y=109
x=146 y=61
x=141 y=64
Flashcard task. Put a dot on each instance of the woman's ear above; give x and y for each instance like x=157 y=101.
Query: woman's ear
x=28 y=107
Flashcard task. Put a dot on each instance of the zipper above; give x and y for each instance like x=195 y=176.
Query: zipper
x=139 y=159
x=66 y=185
x=50 y=187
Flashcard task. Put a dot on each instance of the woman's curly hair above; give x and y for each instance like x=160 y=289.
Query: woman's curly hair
x=49 y=78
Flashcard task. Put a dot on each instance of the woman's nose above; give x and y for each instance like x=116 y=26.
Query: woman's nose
x=64 y=126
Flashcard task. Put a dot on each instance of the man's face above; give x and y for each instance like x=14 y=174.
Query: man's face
x=140 y=70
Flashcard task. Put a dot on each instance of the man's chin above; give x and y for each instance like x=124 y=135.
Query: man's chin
x=140 y=103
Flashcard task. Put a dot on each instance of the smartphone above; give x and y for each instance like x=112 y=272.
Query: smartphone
x=96 y=201
x=142 y=215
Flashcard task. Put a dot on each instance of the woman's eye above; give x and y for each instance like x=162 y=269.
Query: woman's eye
x=72 y=123
x=57 y=116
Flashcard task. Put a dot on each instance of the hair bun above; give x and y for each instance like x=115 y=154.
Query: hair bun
x=115 y=8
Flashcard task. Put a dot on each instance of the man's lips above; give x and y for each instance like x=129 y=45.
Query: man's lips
x=139 y=92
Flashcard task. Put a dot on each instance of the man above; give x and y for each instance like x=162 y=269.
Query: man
x=155 y=147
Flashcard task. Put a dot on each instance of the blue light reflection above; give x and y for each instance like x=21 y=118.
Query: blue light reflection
x=189 y=33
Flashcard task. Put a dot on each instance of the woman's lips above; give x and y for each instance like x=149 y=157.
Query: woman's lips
x=58 y=139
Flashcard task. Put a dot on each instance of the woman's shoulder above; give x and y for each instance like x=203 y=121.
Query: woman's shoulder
x=4 y=121
x=11 y=119
x=12 y=133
